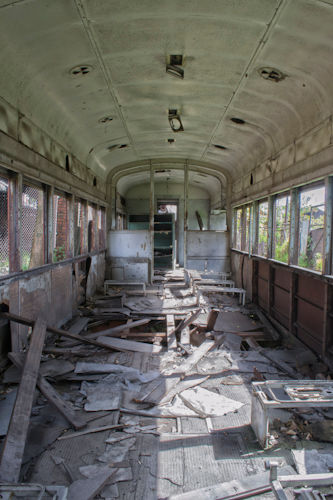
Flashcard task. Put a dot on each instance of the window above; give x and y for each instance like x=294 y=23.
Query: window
x=91 y=228
x=238 y=228
x=311 y=228
x=4 y=233
x=281 y=228
x=79 y=227
x=60 y=227
x=247 y=214
x=262 y=228
x=32 y=227
x=101 y=227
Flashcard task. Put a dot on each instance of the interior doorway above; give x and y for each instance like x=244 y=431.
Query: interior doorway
x=170 y=209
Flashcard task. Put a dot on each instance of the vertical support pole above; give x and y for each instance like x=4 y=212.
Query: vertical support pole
x=18 y=333
x=85 y=227
x=292 y=302
x=250 y=231
x=71 y=225
x=185 y=211
x=270 y=227
x=327 y=261
x=254 y=281
x=95 y=225
x=151 y=219
x=14 y=221
x=327 y=335
x=50 y=225
x=45 y=223
x=293 y=245
x=243 y=228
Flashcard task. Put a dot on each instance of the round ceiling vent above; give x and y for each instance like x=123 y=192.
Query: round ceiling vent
x=81 y=70
x=239 y=121
x=105 y=119
x=272 y=74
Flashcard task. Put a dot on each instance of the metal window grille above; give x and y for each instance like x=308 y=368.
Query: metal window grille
x=80 y=224
x=4 y=236
x=32 y=227
x=60 y=227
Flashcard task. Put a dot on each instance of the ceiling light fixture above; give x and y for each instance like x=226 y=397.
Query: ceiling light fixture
x=175 y=121
x=175 y=71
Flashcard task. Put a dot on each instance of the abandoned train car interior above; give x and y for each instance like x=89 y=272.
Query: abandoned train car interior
x=166 y=264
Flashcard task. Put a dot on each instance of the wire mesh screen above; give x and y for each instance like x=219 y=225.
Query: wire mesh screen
x=60 y=227
x=101 y=228
x=32 y=224
x=80 y=224
x=91 y=228
x=4 y=241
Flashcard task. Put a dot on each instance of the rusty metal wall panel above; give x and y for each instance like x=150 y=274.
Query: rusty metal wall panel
x=263 y=269
x=281 y=301
x=310 y=319
x=263 y=293
x=61 y=292
x=311 y=289
x=282 y=278
x=280 y=317
x=35 y=297
x=309 y=339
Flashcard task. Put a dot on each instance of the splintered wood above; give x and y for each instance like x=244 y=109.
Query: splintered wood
x=13 y=449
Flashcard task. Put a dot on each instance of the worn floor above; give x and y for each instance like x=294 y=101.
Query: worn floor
x=158 y=457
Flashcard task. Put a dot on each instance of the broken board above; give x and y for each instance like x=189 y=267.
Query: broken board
x=128 y=345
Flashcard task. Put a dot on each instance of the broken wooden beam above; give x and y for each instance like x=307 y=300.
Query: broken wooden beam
x=13 y=449
x=56 y=331
x=87 y=489
x=93 y=430
x=128 y=345
x=171 y=332
x=77 y=421
x=111 y=332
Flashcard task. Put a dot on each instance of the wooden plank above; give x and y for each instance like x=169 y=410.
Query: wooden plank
x=171 y=332
x=128 y=345
x=51 y=329
x=110 y=332
x=91 y=431
x=87 y=489
x=13 y=449
x=79 y=325
x=77 y=421
x=167 y=384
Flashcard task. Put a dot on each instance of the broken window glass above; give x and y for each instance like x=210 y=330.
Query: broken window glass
x=311 y=228
x=4 y=237
x=281 y=231
x=60 y=227
x=262 y=228
x=247 y=221
x=32 y=227
x=238 y=228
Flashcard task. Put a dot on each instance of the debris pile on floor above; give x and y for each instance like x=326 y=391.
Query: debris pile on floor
x=173 y=390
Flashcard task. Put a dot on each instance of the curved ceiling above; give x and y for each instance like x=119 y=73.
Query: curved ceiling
x=92 y=74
